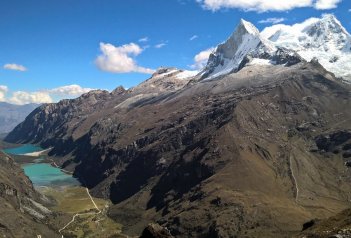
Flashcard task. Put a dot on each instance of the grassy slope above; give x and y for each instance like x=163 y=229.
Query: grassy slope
x=73 y=200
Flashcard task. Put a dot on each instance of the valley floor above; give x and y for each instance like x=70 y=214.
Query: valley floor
x=81 y=215
x=75 y=212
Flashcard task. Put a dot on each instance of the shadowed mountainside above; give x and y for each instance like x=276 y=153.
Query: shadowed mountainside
x=239 y=156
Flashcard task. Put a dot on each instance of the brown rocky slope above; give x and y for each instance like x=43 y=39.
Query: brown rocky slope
x=22 y=212
x=237 y=156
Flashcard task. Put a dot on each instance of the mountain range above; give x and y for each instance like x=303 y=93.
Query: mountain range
x=324 y=39
x=254 y=145
x=11 y=115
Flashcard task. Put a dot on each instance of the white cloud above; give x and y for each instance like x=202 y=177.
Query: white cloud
x=350 y=10
x=200 y=60
x=120 y=59
x=3 y=91
x=144 y=39
x=68 y=91
x=193 y=37
x=21 y=97
x=326 y=4
x=159 y=46
x=16 y=67
x=272 y=20
x=267 y=5
x=43 y=96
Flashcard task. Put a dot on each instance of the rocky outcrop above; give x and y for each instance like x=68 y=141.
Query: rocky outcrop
x=21 y=205
x=337 y=142
x=337 y=226
x=155 y=231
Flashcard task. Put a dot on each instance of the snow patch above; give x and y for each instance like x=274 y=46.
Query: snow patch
x=257 y=61
x=187 y=74
x=166 y=74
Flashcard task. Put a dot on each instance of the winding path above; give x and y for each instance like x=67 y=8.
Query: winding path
x=78 y=214
x=82 y=214
x=92 y=200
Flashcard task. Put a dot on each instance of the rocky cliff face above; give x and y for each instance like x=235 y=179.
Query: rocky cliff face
x=22 y=212
x=256 y=152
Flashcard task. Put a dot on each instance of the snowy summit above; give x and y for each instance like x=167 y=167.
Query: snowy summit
x=323 y=38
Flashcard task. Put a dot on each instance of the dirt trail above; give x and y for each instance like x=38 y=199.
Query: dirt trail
x=83 y=213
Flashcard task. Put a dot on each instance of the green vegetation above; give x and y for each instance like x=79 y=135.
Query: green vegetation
x=72 y=199
x=90 y=222
x=93 y=226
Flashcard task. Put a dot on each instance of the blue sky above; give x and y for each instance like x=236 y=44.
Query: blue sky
x=58 y=41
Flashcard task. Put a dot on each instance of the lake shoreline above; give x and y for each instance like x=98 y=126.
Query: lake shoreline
x=40 y=169
x=37 y=153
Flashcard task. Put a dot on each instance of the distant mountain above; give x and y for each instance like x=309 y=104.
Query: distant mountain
x=11 y=115
x=323 y=38
x=254 y=145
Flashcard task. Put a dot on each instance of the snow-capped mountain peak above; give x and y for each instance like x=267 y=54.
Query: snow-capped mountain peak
x=249 y=27
x=322 y=38
x=245 y=34
x=325 y=26
x=228 y=55
x=242 y=47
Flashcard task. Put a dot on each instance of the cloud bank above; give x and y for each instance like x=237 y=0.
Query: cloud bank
x=267 y=5
x=41 y=96
x=21 y=98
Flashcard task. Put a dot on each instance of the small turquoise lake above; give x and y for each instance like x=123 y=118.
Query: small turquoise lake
x=24 y=149
x=47 y=175
x=42 y=174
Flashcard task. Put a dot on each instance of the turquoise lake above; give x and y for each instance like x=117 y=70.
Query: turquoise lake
x=24 y=149
x=47 y=175
x=42 y=174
